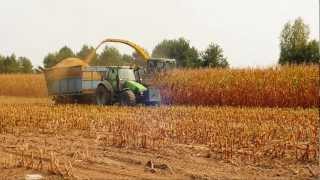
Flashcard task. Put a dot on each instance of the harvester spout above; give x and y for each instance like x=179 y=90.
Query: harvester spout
x=144 y=55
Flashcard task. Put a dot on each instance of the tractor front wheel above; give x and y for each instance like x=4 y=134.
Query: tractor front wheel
x=127 y=98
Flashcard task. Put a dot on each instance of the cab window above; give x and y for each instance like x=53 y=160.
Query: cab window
x=112 y=75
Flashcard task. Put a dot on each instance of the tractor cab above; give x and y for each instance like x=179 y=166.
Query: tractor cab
x=156 y=65
x=120 y=76
x=122 y=84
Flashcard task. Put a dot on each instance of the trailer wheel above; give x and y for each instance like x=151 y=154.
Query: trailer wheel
x=59 y=100
x=156 y=104
x=127 y=98
x=103 y=96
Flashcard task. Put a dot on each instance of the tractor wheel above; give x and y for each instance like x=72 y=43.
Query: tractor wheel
x=127 y=98
x=103 y=96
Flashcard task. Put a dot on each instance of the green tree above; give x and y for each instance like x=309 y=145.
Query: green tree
x=180 y=50
x=311 y=52
x=63 y=53
x=25 y=65
x=53 y=58
x=2 y=64
x=213 y=57
x=109 y=56
x=295 y=47
x=10 y=64
x=50 y=60
x=84 y=52
x=127 y=59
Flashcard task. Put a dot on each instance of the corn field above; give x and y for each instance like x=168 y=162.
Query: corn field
x=251 y=134
x=26 y=85
x=294 y=86
x=203 y=125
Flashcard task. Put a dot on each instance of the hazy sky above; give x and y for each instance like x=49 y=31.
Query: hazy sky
x=247 y=30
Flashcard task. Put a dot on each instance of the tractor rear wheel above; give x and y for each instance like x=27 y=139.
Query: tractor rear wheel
x=127 y=98
x=103 y=96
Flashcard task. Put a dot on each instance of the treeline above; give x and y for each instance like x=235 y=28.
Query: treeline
x=180 y=49
x=13 y=64
x=188 y=56
x=296 y=47
x=109 y=56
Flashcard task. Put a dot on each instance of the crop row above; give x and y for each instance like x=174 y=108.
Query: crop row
x=27 y=85
x=288 y=86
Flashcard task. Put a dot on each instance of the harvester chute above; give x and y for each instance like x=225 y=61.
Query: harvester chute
x=145 y=56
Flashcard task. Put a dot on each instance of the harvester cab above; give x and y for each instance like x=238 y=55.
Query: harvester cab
x=156 y=65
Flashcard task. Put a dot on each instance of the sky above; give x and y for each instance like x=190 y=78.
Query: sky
x=247 y=30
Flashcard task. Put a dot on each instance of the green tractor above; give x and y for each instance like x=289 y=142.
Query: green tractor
x=122 y=84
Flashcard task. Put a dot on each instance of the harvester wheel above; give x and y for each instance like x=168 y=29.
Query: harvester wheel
x=127 y=98
x=103 y=96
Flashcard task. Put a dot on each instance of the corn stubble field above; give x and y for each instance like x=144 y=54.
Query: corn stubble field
x=221 y=124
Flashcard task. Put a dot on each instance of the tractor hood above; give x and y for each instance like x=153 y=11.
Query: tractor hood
x=134 y=86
